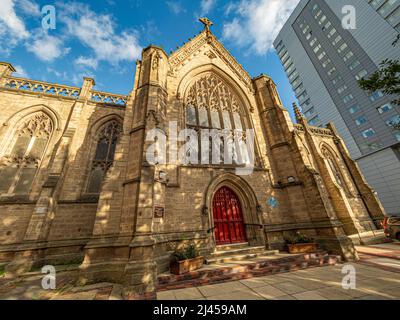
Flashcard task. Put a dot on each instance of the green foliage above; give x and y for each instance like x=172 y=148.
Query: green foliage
x=386 y=79
x=299 y=238
x=186 y=253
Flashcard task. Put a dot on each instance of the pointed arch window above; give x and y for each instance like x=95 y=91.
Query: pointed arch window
x=335 y=169
x=19 y=167
x=211 y=104
x=104 y=155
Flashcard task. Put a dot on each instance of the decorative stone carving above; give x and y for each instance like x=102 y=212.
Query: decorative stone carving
x=212 y=93
x=188 y=50
x=20 y=164
x=39 y=87
x=210 y=54
x=109 y=98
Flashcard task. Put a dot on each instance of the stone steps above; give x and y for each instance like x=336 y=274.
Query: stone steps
x=207 y=276
x=228 y=247
x=239 y=255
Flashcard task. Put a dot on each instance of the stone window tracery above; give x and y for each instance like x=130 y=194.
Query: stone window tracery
x=18 y=168
x=211 y=104
x=335 y=169
x=104 y=155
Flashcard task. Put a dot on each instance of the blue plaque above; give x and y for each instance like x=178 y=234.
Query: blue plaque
x=272 y=202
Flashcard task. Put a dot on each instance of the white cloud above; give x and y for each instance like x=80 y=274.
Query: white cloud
x=13 y=30
x=207 y=6
x=20 y=72
x=87 y=62
x=175 y=7
x=98 y=32
x=77 y=21
x=10 y=23
x=256 y=23
x=46 y=47
x=29 y=7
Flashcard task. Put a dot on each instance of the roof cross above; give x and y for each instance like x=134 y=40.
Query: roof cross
x=207 y=23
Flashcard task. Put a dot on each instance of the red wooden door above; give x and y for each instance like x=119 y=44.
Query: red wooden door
x=228 y=218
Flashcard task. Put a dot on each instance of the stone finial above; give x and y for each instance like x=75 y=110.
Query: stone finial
x=207 y=23
x=87 y=86
x=297 y=112
x=6 y=69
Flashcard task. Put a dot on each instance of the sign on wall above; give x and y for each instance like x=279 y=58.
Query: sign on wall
x=159 y=212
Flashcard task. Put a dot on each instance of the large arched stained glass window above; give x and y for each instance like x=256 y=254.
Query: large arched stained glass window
x=104 y=156
x=18 y=168
x=211 y=104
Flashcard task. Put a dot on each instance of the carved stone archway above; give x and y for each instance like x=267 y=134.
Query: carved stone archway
x=248 y=202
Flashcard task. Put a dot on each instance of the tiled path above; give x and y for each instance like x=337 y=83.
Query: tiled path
x=312 y=284
x=377 y=278
x=386 y=256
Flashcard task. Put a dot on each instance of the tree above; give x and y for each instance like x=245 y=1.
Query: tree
x=386 y=79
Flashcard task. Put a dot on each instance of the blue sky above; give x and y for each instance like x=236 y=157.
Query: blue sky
x=103 y=38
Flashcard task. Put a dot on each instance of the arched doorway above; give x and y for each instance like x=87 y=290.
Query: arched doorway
x=228 y=218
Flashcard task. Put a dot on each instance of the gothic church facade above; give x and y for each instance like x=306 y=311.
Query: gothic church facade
x=76 y=186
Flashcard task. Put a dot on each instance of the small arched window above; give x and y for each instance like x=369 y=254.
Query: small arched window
x=211 y=104
x=19 y=167
x=103 y=158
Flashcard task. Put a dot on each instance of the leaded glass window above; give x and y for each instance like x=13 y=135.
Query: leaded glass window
x=104 y=155
x=18 y=168
x=212 y=104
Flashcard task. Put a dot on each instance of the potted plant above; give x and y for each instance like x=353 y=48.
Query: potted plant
x=300 y=243
x=185 y=260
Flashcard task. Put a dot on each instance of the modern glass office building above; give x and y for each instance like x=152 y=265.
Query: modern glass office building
x=323 y=61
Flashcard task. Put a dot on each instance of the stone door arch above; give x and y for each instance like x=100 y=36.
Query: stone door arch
x=249 y=206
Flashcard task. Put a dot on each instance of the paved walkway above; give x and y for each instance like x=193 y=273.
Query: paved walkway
x=385 y=256
x=311 y=284
x=378 y=277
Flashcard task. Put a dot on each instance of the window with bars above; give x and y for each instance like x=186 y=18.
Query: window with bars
x=18 y=167
x=103 y=158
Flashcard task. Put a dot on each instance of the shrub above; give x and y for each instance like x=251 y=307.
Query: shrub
x=186 y=253
x=298 y=239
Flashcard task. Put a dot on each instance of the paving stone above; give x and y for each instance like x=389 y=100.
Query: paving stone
x=310 y=284
x=309 y=295
x=88 y=295
x=289 y=287
x=269 y=292
x=218 y=289
x=254 y=282
x=334 y=294
x=288 y=297
x=166 y=295
x=188 y=294
x=238 y=295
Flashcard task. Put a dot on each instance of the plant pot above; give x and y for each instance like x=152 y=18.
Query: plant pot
x=185 y=266
x=302 y=248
